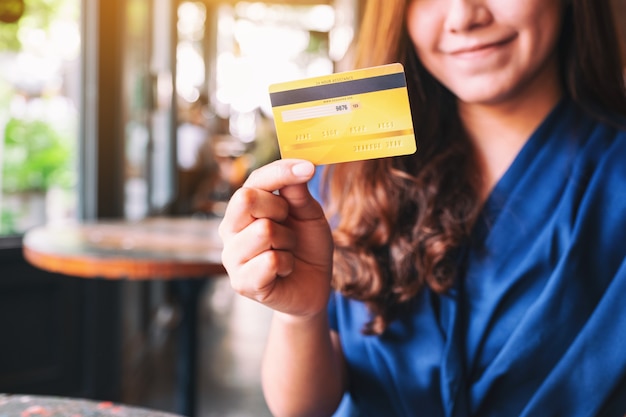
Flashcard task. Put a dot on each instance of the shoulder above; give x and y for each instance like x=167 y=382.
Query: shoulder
x=602 y=137
x=603 y=126
x=597 y=182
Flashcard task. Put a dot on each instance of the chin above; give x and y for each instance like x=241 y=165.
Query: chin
x=484 y=89
x=485 y=95
x=482 y=99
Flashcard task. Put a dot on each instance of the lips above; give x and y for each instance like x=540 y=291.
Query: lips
x=474 y=47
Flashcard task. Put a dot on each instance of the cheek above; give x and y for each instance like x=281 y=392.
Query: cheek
x=538 y=20
x=539 y=37
x=422 y=25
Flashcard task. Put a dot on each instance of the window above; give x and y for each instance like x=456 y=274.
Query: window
x=39 y=92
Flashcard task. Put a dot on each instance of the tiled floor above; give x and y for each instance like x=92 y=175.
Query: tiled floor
x=232 y=334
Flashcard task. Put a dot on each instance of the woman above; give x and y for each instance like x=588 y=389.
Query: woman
x=482 y=276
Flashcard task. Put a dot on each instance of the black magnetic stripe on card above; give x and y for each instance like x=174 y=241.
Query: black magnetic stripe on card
x=341 y=89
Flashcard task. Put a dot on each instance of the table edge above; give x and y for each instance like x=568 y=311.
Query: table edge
x=120 y=267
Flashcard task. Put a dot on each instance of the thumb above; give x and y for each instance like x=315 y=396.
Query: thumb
x=288 y=177
x=302 y=205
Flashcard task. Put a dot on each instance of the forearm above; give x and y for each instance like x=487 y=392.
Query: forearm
x=303 y=368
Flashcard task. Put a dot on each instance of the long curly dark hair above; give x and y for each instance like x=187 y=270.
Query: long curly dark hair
x=400 y=221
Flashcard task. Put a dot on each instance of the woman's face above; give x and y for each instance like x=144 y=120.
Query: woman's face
x=487 y=51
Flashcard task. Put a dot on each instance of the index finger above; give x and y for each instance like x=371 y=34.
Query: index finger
x=255 y=199
x=280 y=173
x=289 y=176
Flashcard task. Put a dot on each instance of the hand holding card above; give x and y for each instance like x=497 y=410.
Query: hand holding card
x=348 y=116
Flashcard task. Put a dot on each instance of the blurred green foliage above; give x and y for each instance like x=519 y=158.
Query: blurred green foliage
x=38 y=14
x=36 y=157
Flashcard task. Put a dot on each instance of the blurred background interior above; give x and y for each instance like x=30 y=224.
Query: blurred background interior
x=128 y=109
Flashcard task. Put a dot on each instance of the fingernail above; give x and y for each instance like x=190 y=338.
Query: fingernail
x=303 y=169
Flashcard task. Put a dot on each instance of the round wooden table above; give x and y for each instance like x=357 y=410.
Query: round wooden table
x=42 y=406
x=179 y=249
x=154 y=248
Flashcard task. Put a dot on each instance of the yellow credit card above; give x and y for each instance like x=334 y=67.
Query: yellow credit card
x=347 y=116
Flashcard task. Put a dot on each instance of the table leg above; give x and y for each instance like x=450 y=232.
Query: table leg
x=188 y=292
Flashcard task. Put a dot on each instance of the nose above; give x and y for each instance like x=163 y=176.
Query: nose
x=465 y=15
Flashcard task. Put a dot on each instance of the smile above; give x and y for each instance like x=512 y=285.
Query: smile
x=479 y=49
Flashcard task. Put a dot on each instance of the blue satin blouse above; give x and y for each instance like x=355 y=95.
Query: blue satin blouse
x=536 y=325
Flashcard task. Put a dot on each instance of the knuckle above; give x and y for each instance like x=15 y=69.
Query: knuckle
x=228 y=255
x=237 y=286
x=245 y=197
x=271 y=261
x=225 y=259
x=264 y=230
x=278 y=263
